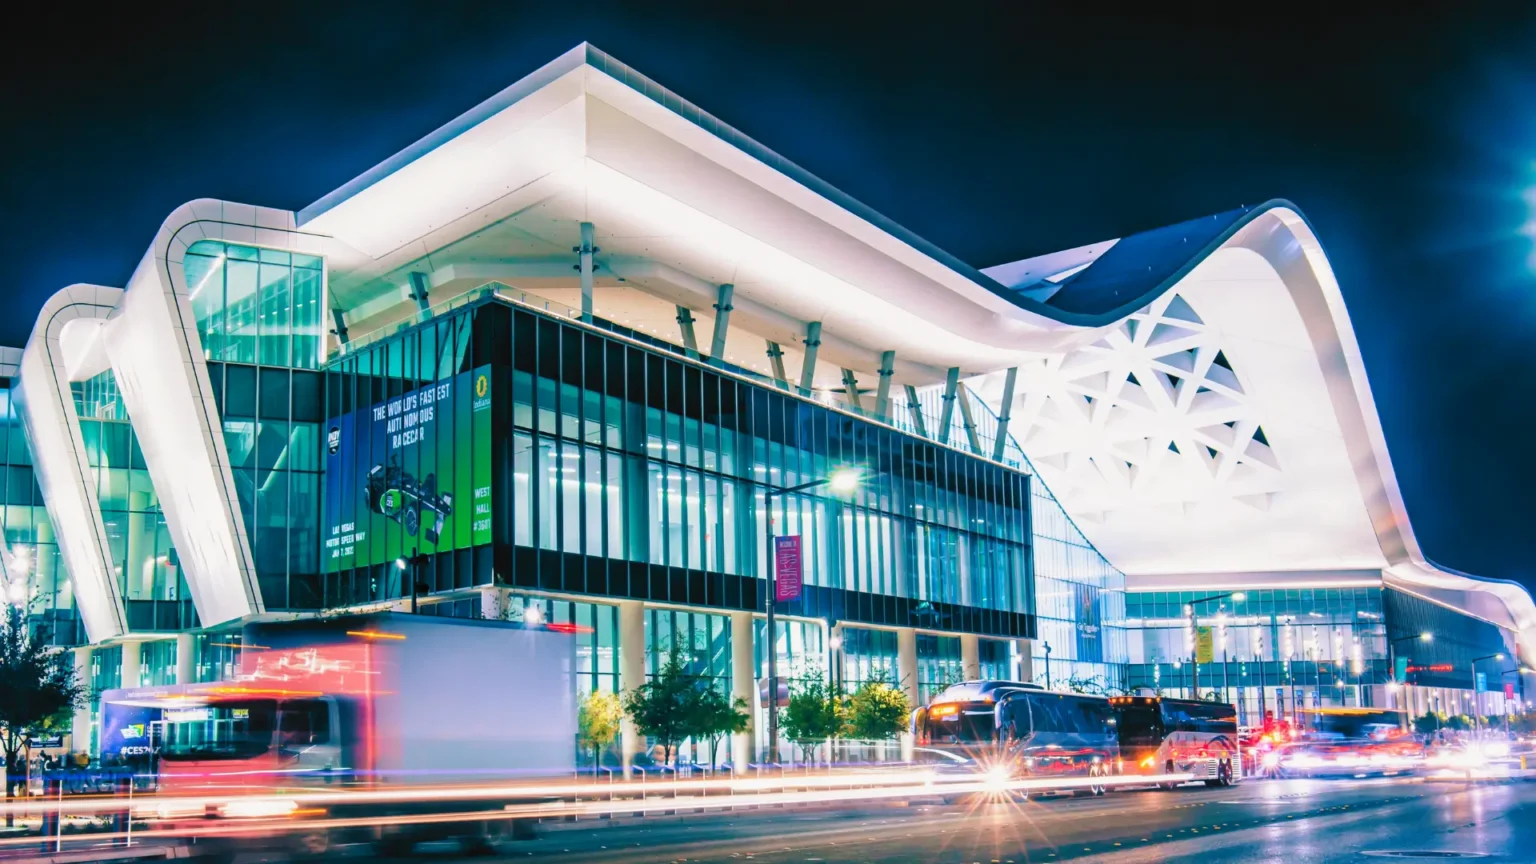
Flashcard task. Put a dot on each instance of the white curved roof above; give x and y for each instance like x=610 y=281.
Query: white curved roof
x=1195 y=395
x=1227 y=426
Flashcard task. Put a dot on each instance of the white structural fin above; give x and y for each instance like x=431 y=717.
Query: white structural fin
x=46 y=405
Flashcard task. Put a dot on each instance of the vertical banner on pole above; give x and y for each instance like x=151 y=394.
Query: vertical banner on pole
x=786 y=563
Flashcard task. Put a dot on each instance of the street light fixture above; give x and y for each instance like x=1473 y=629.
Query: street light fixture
x=841 y=481
x=1194 y=654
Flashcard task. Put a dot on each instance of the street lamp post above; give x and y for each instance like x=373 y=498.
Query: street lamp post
x=411 y=568
x=1425 y=636
x=1519 y=672
x=1477 y=704
x=1194 y=631
x=842 y=481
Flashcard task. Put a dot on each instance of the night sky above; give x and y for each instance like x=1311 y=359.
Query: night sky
x=1407 y=137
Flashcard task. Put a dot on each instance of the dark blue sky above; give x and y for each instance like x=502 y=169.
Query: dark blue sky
x=1407 y=136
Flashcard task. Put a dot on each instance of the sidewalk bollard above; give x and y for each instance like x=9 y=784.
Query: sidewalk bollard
x=52 y=786
x=1522 y=762
x=120 y=818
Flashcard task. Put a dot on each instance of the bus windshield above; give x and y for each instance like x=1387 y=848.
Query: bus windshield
x=1140 y=725
x=969 y=691
x=229 y=730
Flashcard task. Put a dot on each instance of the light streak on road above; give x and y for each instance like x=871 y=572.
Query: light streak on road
x=746 y=792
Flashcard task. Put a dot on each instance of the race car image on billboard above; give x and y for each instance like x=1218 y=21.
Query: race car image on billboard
x=395 y=494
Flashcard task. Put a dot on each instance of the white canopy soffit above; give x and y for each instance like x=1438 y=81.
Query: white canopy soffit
x=677 y=199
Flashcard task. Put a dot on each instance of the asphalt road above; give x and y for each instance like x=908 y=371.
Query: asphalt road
x=1295 y=822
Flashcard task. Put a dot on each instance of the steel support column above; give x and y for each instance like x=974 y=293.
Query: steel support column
x=776 y=362
x=631 y=672
x=186 y=658
x=808 y=367
x=722 y=322
x=130 y=670
x=744 y=687
x=1003 y=413
x=80 y=728
x=963 y=393
x=851 y=390
x=947 y=414
x=685 y=324
x=339 y=318
x=916 y=410
x=883 y=392
x=970 y=657
x=584 y=263
x=419 y=285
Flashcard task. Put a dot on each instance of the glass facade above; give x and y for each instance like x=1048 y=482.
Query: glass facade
x=1459 y=639
x=257 y=306
x=1275 y=650
x=625 y=471
x=29 y=534
x=868 y=655
x=155 y=594
x=271 y=424
x=1079 y=595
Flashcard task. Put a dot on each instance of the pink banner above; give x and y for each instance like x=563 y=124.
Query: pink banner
x=786 y=563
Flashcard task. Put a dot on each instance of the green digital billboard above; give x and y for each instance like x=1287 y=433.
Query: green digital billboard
x=410 y=475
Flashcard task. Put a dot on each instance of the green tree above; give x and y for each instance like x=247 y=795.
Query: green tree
x=1458 y=723
x=1429 y=723
x=718 y=716
x=816 y=712
x=597 y=723
x=665 y=707
x=877 y=710
x=36 y=687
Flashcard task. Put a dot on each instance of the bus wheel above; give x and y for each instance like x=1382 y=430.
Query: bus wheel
x=1168 y=769
x=1097 y=771
x=1223 y=775
x=312 y=844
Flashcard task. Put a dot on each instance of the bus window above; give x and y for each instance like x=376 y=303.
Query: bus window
x=1214 y=717
x=1096 y=717
x=1046 y=713
x=1176 y=718
x=1013 y=719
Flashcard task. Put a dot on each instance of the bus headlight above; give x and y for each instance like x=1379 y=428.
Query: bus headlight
x=997 y=778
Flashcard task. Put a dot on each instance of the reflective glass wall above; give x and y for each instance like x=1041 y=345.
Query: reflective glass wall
x=1079 y=595
x=271 y=423
x=626 y=471
x=29 y=534
x=257 y=306
x=1459 y=643
x=155 y=594
x=1274 y=650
